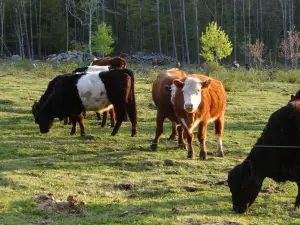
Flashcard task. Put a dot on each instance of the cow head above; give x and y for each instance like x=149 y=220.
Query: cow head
x=244 y=186
x=44 y=123
x=191 y=89
x=295 y=97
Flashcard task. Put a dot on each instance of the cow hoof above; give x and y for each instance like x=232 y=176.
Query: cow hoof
x=153 y=147
x=83 y=135
x=203 y=157
x=191 y=157
x=113 y=133
x=172 y=137
x=72 y=133
x=221 y=154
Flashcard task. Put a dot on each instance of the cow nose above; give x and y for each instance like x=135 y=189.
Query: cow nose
x=188 y=107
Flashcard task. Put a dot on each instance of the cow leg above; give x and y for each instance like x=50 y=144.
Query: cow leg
x=189 y=138
x=132 y=114
x=112 y=117
x=297 y=203
x=66 y=120
x=120 y=114
x=159 y=129
x=73 y=121
x=202 y=139
x=80 y=120
x=174 y=132
x=180 y=131
x=104 y=119
x=219 y=127
x=98 y=115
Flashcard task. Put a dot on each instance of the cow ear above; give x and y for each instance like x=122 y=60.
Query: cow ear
x=206 y=83
x=167 y=88
x=292 y=97
x=178 y=83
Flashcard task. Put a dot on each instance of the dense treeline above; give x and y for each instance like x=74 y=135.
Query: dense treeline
x=35 y=28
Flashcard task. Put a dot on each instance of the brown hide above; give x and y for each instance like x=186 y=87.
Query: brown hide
x=211 y=108
x=161 y=96
x=114 y=62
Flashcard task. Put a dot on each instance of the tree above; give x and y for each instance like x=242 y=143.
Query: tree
x=257 y=51
x=215 y=43
x=290 y=48
x=102 y=40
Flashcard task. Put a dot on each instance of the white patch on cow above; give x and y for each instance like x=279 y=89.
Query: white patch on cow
x=92 y=92
x=212 y=119
x=184 y=123
x=97 y=68
x=173 y=90
x=191 y=94
x=220 y=145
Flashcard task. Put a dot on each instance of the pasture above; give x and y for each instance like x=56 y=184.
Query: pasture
x=118 y=178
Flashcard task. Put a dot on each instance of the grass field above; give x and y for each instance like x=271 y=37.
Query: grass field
x=164 y=187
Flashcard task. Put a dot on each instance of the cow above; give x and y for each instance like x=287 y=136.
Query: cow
x=74 y=94
x=113 y=62
x=88 y=69
x=276 y=155
x=199 y=99
x=161 y=96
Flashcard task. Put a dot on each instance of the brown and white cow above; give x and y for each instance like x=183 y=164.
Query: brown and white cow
x=199 y=99
x=161 y=96
x=113 y=62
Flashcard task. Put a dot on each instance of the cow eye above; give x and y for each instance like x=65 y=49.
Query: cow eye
x=198 y=90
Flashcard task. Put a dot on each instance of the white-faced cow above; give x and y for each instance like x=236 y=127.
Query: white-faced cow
x=198 y=100
x=276 y=155
x=161 y=96
x=76 y=93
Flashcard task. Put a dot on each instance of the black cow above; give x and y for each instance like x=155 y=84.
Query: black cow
x=296 y=96
x=76 y=93
x=276 y=155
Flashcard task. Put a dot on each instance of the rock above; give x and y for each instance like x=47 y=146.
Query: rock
x=16 y=57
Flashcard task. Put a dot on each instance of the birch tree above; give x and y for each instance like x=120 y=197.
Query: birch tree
x=185 y=33
x=158 y=26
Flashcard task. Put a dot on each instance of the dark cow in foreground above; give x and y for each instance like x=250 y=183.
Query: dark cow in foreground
x=113 y=62
x=276 y=155
x=76 y=93
x=197 y=100
x=161 y=96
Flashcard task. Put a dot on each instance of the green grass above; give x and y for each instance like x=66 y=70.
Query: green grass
x=32 y=163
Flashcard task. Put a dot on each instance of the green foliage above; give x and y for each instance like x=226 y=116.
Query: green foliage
x=215 y=43
x=102 y=40
x=79 y=46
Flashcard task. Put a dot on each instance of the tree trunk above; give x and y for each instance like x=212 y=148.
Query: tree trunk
x=222 y=13
x=67 y=25
x=158 y=26
x=127 y=27
x=23 y=8
x=244 y=28
x=173 y=32
x=197 y=31
x=234 y=28
x=261 y=20
x=103 y=11
x=182 y=34
x=2 y=17
x=249 y=31
x=40 y=31
x=117 y=25
x=31 y=32
x=185 y=33
x=141 y=25
x=90 y=30
x=216 y=11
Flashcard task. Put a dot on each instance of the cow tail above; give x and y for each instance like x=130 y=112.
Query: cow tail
x=132 y=109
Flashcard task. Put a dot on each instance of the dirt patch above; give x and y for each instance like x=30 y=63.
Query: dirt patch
x=188 y=188
x=126 y=187
x=49 y=203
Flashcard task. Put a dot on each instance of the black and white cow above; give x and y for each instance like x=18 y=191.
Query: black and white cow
x=74 y=94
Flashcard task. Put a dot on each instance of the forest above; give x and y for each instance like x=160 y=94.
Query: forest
x=34 y=29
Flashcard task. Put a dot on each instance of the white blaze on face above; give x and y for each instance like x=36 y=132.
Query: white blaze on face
x=173 y=90
x=92 y=92
x=192 y=94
